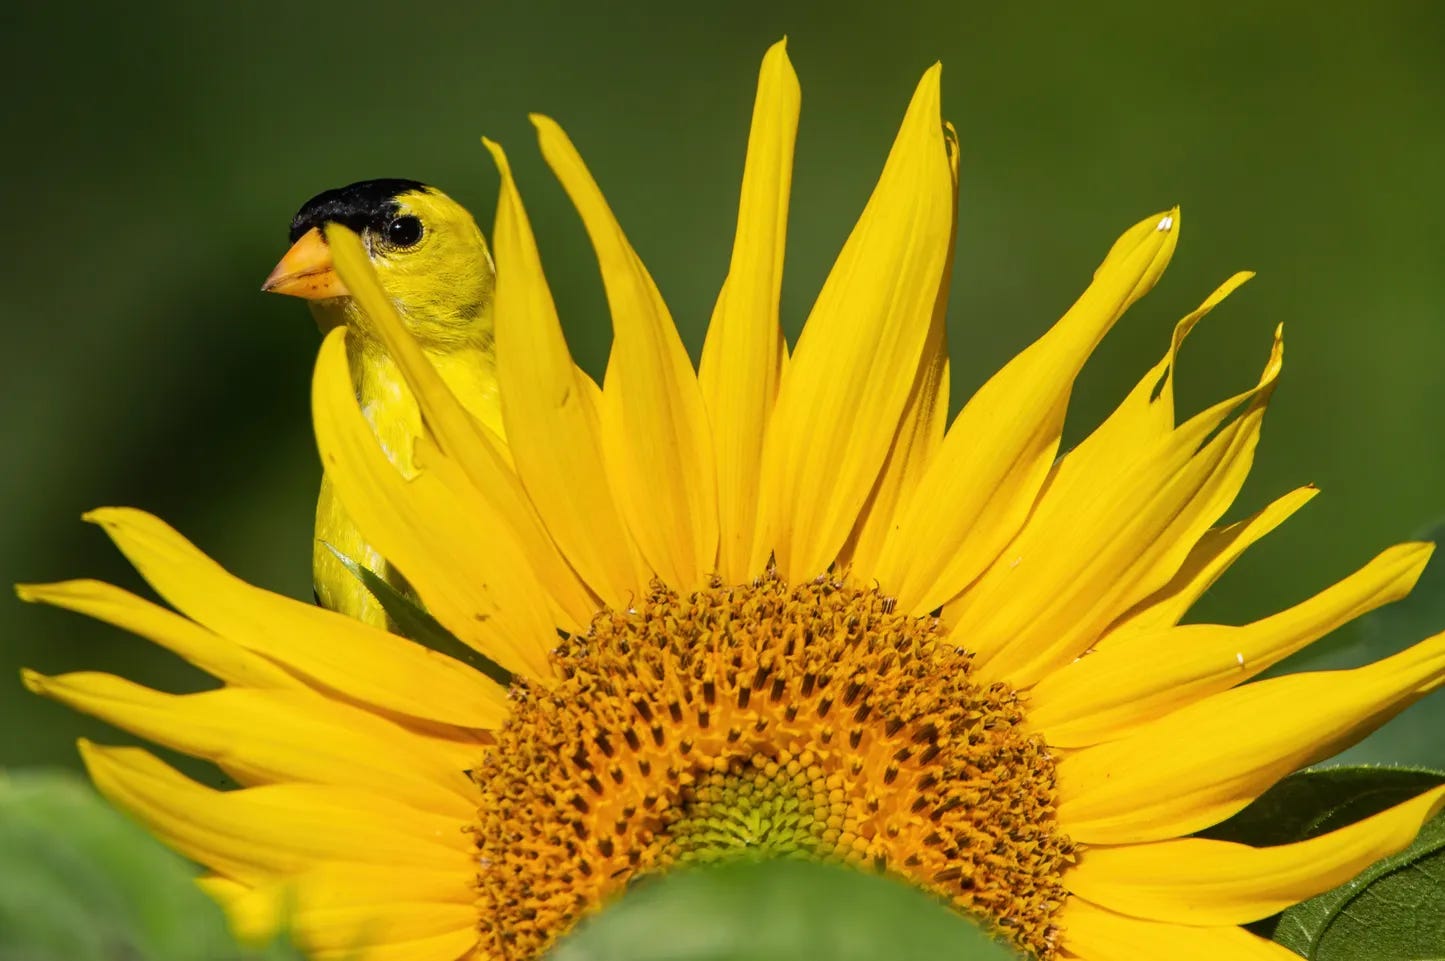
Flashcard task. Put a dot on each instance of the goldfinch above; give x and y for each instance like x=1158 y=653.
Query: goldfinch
x=432 y=260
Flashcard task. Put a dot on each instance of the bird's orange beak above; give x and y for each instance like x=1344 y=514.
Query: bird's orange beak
x=307 y=271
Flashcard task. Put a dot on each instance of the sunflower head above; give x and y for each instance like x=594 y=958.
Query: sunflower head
x=776 y=605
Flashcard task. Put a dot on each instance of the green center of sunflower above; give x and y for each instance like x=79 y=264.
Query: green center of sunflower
x=758 y=808
x=755 y=722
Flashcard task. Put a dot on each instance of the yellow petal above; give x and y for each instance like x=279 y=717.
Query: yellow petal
x=453 y=943
x=993 y=461
x=379 y=911
x=1110 y=691
x=552 y=425
x=742 y=358
x=461 y=438
x=1202 y=763
x=655 y=427
x=362 y=662
x=1131 y=519
x=212 y=653
x=1098 y=935
x=466 y=565
x=1211 y=557
x=263 y=737
x=920 y=432
x=1195 y=881
x=847 y=384
x=256 y=833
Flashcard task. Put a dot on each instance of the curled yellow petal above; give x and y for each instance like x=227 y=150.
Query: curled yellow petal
x=742 y=358
x=1198 y=881
x=1147 y=413
x=979 y=488
x=859 y=353
x=657 y=439
x=548 y=406
x=1105 y=535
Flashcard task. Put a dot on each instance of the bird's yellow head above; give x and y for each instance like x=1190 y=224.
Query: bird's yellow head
x=428 y=252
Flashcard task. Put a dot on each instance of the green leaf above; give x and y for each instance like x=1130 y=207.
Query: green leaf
x=776 y=911
x=79 y=882
x=415 y=623
x=1393 y=911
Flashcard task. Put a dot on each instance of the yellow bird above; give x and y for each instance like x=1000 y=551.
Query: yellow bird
x=433 y=262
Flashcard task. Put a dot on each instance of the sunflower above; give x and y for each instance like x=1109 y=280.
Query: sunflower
x=772 y=607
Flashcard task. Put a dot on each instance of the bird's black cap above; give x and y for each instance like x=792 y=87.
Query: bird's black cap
x=366 y=203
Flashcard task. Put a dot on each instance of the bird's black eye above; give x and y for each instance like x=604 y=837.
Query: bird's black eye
x=404 y=231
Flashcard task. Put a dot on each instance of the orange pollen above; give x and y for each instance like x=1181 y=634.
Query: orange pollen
x=764 y=721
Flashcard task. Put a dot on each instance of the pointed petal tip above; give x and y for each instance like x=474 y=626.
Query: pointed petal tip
x=499 y=158
x=34 y=681
x=111 y=516
x=778 y=65
x=931 y=83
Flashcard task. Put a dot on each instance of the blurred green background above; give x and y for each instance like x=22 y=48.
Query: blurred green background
x=157 y=151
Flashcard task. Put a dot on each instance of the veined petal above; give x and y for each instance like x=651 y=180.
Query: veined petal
x=256 y=833
x=264 y=737
x=658 y=442
x=552 y=425
x=920 y=432
x=1197 y=881
x=1097 y=934
x=1111 y=691
x=1103 y=537
x=1211 y=758
x=335 y=651
x=848 y=381
x=457 y=434
x=994 y=459
x=222 y=659
x=466 y=565
x=1212 y=555
x=743 y=356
